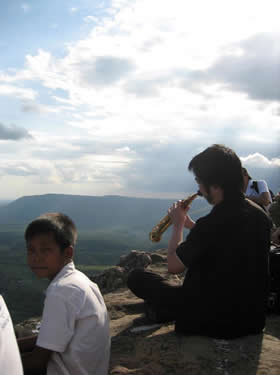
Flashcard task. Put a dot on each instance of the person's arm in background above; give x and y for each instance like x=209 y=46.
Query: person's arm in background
x=34 y=358
x=27 y=344
x=37 y=360
x=264 y=198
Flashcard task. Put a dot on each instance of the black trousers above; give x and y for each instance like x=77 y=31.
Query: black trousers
x=160 y=295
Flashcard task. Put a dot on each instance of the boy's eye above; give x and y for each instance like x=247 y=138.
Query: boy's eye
x=42 y=251
x=45 y=250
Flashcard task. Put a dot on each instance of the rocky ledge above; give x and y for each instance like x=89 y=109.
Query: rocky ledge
x=139 y=347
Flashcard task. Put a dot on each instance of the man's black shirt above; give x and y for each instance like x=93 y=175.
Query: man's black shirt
x=226 y=285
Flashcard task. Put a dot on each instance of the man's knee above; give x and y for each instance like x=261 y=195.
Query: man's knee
x=135 y=278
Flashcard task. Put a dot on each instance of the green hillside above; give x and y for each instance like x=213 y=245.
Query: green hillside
x=102 y=239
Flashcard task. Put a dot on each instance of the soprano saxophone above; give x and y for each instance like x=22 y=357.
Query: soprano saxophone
x=165 y=222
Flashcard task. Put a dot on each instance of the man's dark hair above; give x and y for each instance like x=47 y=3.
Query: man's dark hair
x=60 y=225
x=219 y=165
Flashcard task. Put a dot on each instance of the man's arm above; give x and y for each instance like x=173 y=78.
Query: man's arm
x=179 y=220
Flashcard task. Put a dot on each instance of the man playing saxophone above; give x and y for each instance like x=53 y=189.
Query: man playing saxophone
x=225 y=254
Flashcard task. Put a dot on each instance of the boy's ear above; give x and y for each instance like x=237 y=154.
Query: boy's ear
x=69 y=252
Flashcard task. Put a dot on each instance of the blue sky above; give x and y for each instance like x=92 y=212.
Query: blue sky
x=115 y=97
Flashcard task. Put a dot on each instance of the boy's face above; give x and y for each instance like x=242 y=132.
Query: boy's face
x=44 y=256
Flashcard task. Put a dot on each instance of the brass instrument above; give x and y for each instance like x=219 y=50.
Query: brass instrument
x=160 y=228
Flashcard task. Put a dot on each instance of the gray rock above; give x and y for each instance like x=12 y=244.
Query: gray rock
x=135 y=259
x=111 y=279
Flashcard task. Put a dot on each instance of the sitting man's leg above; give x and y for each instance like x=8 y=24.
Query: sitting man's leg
x=162 y=299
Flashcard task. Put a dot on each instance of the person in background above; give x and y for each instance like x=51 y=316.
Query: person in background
x=257 y=191
x=74 y=336
x=10 y=362
x=225 y=256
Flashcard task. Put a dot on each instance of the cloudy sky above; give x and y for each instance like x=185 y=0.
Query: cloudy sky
x=115 y=97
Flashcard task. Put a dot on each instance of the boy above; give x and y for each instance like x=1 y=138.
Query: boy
x=74 y=335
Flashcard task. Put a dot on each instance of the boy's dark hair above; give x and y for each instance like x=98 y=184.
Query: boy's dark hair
x=219 y=165
x=60 y=225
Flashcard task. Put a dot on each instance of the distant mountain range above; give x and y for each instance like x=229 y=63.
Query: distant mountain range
x=4 y=202
x=98 y=212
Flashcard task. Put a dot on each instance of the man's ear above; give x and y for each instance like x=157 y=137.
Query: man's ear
x=217 y=193
x=69 y=252
x=214 y=188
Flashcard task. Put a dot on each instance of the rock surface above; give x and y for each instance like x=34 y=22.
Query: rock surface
x=139 y=347
x=160 y=351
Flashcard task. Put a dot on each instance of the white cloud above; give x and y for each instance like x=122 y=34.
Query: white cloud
x=144 y=86
x=103 y=170
x=258 y=160
x=89 y=19
x=18 y=92
x=29 y=106
x=124 y=149
x=25 y=7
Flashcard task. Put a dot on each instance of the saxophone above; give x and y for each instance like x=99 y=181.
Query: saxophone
x=165 y=222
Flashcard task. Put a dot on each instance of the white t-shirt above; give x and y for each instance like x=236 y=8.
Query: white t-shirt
x=10 y=361
x=262 y=186
x=75 y=325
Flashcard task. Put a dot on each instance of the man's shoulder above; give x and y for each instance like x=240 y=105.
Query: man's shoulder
x=231 y=210
x=254 y=210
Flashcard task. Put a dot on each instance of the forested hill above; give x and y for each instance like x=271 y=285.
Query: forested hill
x=97 y=212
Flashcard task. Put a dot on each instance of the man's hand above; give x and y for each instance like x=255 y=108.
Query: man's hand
x=189 y=223
x=178 y=214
